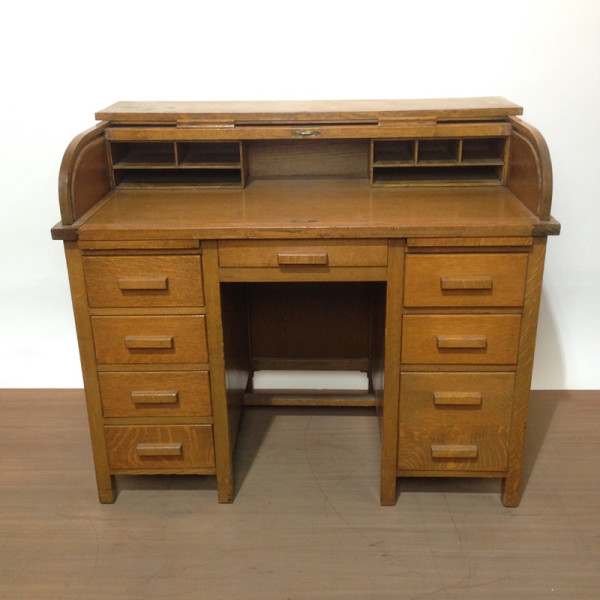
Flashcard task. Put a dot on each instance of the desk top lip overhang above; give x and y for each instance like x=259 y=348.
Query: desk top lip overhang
x=268 y=112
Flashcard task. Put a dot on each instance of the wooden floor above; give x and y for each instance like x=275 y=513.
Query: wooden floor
x=306 y=522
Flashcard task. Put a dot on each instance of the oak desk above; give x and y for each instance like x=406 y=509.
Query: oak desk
x=402 y=240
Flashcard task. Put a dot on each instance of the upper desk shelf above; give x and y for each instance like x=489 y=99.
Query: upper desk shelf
x=399 y=147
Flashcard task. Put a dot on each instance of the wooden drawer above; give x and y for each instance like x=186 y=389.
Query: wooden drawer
x=150 y=339
x=155 y=394
x=465 y=279
x=140 y=281
x=455 y=421
x=278 y=253
x=460 y=339
x=160 y=446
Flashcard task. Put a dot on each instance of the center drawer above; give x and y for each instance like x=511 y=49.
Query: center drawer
x=285 y=253
x=150 y=339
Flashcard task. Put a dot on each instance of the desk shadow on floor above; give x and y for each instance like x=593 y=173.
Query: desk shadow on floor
x=127 y=483
x=257 y=422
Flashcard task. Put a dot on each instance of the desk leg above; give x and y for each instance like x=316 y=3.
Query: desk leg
x=391 y=391
x=104 y=480
x=221 y=418
x=533 y=290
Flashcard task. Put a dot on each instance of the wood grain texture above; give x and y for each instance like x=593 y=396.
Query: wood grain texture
x=466 y=242
x=155 y=394
x=340 y=110
x=420 y=339
x=465 y=280
x=533 y=290
x=343 y=158
x=164 y=447
x=307 y=208
x=84 y=177
x=187 y=335
x=332 y=253
x=225 y=421
x=142 y=281
x=322 y=129
x=309 y=321
x=530 y=168
x=85 y=338
x=452 y=427
x=391 y=389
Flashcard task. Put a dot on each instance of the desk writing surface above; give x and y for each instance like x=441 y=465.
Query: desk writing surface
x=310 y=208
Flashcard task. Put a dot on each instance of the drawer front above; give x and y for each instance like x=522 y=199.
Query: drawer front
x=286 y=254
x=160 y=446
x=460 y=339
x=434 y=280
x=155 y=394
x=150 y=339
x=455 y=421
x=143 y=281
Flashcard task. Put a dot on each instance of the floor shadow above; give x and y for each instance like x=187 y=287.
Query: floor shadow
x=448 y=485
x=542 y=406
x=165 y=482
x=256 y=422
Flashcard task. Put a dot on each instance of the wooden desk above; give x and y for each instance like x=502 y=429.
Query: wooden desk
x=404 y=240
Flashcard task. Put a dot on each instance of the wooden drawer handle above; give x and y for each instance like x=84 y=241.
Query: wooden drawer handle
x=302 y=258
x=143 y=283
x=166 y=397
x=166 y=449
x=453 y=451
x=461 y=342
x=148 y=342
x=457 y=398
x=483 y=282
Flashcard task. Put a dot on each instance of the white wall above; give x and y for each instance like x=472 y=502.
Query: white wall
x=63 y=60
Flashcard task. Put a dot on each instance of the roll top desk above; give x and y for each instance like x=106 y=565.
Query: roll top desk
x=402 y=240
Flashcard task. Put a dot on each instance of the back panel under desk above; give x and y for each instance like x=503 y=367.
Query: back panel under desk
x=401 y=241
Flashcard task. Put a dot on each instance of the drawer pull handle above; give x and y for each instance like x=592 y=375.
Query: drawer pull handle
x=457 y=398
x=454 y=451
x=461 y=342
x=302 y=258
x=466 y=283
x=148 y=342
x=143 y=283
x=306 y=133
x=166 y=397
x=166 y=449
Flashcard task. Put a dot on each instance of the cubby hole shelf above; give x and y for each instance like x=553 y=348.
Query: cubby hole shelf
x=143 y=163
x=483 y=150
x=437 y=161
x=418 y=161
x=136 y=155
x=438 y=175
x=214 y=155
x=219 y=177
